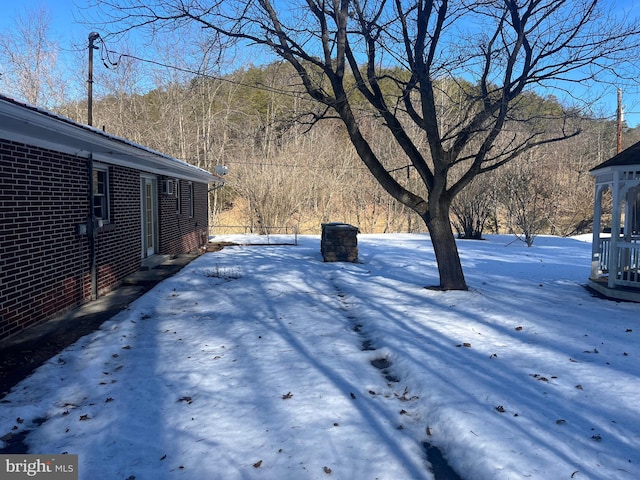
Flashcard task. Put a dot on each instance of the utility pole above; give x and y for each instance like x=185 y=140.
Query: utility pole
x=619 y=120
x=93 y=36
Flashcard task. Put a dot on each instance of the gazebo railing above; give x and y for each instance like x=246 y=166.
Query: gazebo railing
x=628 y=263
x=603 y=258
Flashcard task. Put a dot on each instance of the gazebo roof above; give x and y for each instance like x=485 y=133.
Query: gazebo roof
x=628 y=157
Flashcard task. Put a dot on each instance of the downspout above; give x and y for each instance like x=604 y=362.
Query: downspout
x=92 y=232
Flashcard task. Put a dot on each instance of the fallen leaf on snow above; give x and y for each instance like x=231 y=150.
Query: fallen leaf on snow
x=404 y=397
x=257 y=464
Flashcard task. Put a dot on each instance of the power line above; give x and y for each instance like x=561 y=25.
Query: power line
x=105 y=57
x=258 y=86
x=293 y=165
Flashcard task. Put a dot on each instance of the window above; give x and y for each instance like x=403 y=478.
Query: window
x=190 y=199
x=101 y=192
x=167 y=187
x=178 y=199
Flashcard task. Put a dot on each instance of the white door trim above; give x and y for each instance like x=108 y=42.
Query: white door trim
x=149 y=214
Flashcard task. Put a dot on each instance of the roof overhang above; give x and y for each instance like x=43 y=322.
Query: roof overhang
x=607 y=170
x=33 y=126
x=626 y=161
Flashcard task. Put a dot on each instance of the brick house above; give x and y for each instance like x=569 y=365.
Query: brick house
x=80 y=210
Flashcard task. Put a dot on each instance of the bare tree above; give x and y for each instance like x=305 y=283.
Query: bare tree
x=567 y=172
x=473 y=207
x=393 y=54
x=274 y=196
x=121 y=110
x=29 y=60
x=527 y=197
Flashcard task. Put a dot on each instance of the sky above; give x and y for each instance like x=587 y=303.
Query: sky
x=264 y=362
x=67 y=26
x=65 y=15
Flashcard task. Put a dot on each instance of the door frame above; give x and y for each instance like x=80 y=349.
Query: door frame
x=149 y=214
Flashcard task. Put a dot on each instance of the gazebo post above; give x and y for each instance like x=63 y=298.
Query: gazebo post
x=615 y=231
x=596 y=246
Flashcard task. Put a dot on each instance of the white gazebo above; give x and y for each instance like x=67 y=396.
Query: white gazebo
x=615 y=260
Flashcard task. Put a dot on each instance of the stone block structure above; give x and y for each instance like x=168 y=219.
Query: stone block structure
x=339 y=242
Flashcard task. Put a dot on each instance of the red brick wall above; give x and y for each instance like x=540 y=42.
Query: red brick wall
x=44 y=262
x=42 y=197
x=119 y=244
x=180 y=233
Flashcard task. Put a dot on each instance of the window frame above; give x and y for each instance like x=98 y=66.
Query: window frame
x=101 y=193
x=178 y=196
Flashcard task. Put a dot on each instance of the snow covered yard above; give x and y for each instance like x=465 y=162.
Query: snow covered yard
x=256 y=362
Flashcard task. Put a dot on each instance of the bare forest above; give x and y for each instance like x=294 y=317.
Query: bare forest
x=287 y=175
x=290 y=172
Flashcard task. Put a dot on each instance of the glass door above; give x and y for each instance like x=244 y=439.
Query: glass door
x=149 y=216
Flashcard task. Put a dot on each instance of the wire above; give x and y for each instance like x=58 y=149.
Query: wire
x=293 y=165
x=104 y=56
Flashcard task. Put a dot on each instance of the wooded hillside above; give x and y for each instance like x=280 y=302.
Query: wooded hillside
x=288 y=172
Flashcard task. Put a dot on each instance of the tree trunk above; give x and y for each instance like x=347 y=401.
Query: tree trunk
x=446 y=250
